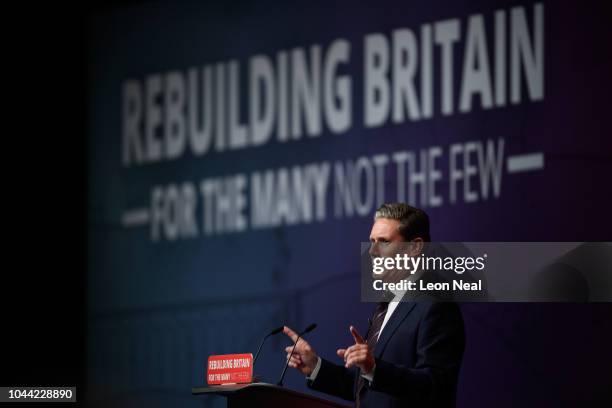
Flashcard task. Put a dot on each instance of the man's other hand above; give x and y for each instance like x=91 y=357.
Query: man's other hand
x=304 y=358
x=358 y=354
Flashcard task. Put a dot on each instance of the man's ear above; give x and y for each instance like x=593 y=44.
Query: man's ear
x=416 y=246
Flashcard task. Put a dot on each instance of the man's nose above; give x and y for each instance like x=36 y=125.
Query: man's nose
x=374 y=249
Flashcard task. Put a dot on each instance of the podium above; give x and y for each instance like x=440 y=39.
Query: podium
x=264 y=395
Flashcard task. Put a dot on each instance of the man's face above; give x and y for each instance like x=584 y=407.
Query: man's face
x=385 y=241
x=384 y=234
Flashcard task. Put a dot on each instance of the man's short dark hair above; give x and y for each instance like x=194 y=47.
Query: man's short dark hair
x=413 y=222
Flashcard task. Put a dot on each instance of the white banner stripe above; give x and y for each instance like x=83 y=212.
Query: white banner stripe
x=135 y=217
x=525 y=162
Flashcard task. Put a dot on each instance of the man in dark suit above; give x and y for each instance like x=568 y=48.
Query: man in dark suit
x=412 y=352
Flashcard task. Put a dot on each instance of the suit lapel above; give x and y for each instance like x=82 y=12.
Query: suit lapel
x=399 y=314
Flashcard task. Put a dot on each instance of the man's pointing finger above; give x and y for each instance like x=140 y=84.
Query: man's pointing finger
x=292 y=335
x=356 y=335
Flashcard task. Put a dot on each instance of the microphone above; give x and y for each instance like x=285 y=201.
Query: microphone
x=272 y=333
x=306 y=330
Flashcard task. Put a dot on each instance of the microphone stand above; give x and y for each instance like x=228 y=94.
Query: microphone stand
x=280 y=381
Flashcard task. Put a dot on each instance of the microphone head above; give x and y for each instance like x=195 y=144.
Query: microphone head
x=310 y=328
x=276 y=331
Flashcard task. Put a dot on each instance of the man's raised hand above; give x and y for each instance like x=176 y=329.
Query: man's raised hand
x=304 y=358
x=358 y=354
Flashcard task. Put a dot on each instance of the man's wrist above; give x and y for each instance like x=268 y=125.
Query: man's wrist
x=315 y=370
x=369 y=376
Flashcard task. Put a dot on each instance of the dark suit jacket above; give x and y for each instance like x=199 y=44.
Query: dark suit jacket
x=418 y=356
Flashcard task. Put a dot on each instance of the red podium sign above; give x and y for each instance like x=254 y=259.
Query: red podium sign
x=230 y=369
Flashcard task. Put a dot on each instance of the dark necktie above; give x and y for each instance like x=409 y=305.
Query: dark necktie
x=373 y=333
